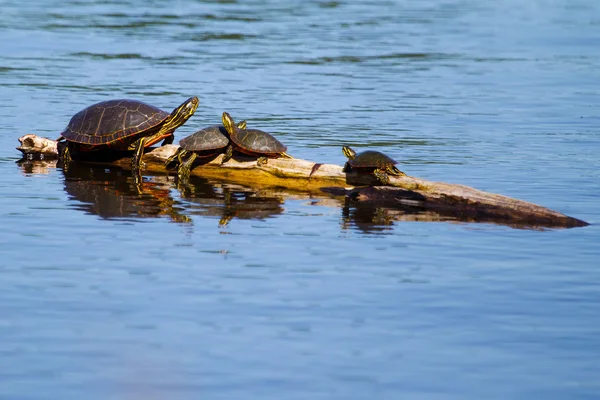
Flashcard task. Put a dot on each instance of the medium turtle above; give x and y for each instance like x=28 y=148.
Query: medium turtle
x=252 y=142
x=371 y=161
x=206 y=142
x=121 y=125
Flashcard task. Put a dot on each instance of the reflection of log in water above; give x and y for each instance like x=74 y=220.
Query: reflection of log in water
x=462 y=202
x=113 y=193
x=37 y=167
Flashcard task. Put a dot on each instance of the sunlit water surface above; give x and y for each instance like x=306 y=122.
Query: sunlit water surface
x=217 y=290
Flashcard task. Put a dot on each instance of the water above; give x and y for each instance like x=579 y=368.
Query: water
x=224 y=291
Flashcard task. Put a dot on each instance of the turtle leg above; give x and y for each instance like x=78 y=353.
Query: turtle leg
x=66 y=154
x=228 y=154
x=262 y=161
x=66 y=157
x=136 y=160
x=382 y=176
x=186 y=167
x=168 y=140
x=137 y=182
x=175 y=160
x=228 y=214
x=170 y=163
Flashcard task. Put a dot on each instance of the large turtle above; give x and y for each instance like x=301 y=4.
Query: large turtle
x=206 y=142
x=371 y=161
x=252 y=142
x=117 y=125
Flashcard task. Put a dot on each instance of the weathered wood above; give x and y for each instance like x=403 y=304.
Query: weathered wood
x=33 y=146
x=463 y=202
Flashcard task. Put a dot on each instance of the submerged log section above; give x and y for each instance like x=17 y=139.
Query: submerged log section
x=462 y=201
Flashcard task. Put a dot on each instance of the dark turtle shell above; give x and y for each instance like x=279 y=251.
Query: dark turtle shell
x=110 y=121
x=257 y=142
x=209 y=138
x=371 y=159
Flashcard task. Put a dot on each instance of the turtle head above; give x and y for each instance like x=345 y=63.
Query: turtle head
x=229 y=124
x=181 y=114
x=348 y=152
x=187 y=108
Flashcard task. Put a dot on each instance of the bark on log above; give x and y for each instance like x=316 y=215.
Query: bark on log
x=463 y=202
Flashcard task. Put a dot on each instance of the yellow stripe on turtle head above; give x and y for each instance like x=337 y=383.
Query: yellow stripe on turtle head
x=348 y=152
x=181 y=114
x=229 y=123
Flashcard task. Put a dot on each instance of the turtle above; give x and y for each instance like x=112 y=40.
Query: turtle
x=372 y=162
x=121 y=125
x=206 y=142
x=252 y=142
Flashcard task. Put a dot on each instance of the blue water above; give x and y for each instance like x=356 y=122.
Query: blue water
x=107 y=293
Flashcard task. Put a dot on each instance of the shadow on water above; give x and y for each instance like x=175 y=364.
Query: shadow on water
x=229 y=201
x=110 y=192
x=369 y=218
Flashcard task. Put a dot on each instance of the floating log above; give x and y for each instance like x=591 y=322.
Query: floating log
x=462 y=202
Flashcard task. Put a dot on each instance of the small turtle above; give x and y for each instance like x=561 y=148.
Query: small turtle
x=371 y=161
x=117 y=125
x=206 y=142
x=252 y=142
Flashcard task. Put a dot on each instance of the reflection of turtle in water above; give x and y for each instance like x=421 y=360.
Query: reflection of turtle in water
x=122 y=125
x=367 y=218
x=252 y=142
x=228 y=202
x=111 y=193
x=373 y=162
x=205 y=143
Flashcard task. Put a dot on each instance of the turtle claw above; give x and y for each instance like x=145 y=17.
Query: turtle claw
x=382 y=176
x=136 y=160
x=185 y=167
x=66 y=154
x=137 y=181
x=262 y=161
x=224 y=221
x=228 y=154
x=183 y=174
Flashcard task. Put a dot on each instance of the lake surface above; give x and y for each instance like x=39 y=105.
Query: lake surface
x=219 y=291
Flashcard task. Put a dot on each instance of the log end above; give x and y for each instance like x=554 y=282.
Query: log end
x=35 y=147
x=525 y=216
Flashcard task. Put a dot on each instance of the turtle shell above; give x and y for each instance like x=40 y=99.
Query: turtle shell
x=110 y=121
x=371 y=159
x=257 y=141
x=209 y=138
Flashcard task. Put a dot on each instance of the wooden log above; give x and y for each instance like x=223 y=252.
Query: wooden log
x=462 y=202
